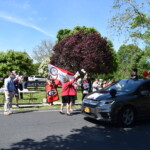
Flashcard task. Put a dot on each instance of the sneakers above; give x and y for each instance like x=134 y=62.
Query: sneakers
x=71 y=110
x=6 y=113
x=17 y=105
x=10 y=112
x=69 y=114
x=61 y=112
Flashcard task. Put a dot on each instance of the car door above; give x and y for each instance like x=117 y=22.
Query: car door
x=144 y=99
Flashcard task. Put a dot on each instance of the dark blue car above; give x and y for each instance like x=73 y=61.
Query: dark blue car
x=124 y=102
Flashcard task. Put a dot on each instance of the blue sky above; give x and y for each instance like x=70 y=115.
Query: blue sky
x=25 y=23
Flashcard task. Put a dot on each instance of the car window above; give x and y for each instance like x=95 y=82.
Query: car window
x=145 y=88
x=125 y=85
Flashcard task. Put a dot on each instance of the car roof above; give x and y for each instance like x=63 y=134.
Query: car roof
x=142 y=80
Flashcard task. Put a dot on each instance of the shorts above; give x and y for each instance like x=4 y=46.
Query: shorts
x=16 y=93
x=72 y=98
x=66 y=99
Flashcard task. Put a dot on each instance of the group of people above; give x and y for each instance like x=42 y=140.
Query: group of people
x=69 y=90
x=16 y=82
x=68 y=93
x=12 y=85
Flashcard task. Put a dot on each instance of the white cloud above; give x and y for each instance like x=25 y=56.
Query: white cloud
x=21 y=22
x=24 y=5
x=42 y=18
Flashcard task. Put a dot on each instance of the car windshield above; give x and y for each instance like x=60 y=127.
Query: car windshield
x=125 y=85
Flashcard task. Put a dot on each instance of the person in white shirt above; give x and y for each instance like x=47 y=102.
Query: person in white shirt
x=95 y=85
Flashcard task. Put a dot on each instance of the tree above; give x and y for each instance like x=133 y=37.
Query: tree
x=144 y=62
x=126 y=53
x=128 y=58
x=15 y=60
x=42 y=51
x=63 y=33
x=35 y=68
x=84 y=50
x=67 y=32
x=132 y=19
x=43 y=68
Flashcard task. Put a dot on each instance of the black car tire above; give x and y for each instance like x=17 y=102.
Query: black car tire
x=127 y=116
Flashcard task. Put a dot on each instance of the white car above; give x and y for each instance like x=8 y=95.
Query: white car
x=36 y=78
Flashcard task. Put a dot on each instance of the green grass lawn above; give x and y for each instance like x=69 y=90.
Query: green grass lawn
x=38 y=98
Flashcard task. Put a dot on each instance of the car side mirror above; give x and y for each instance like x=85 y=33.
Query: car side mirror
x=113 y=92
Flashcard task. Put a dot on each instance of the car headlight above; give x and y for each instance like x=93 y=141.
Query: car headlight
x=106 y=102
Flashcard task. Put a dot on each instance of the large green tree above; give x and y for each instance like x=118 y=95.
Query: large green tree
x=62 y=33
x=15 y=60
x=128 y=58
x=132 y=19
x=144 y=62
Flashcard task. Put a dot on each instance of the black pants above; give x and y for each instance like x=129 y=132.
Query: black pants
x=20 y=87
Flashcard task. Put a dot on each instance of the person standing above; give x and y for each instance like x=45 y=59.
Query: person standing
x=65 y=94
x=9 y=93
x=51 y=91
x=16 y=83
x=25 y=81
x=20 y=86
x=134 y=74
x=72 y=95
x=86 y=86
x=95 y=85
x=105 y=83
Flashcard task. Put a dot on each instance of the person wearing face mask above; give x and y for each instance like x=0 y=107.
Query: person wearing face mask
x=9 y=93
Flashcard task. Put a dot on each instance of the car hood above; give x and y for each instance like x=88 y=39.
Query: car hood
x=103 y=95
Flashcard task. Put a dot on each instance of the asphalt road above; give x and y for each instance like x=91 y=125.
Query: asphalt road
x=49 y=130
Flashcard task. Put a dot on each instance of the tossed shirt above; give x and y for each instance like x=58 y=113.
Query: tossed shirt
x=66 y=87
x=9 y=85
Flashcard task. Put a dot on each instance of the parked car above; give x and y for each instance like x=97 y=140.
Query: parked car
x=124 y=102
x=36 y=78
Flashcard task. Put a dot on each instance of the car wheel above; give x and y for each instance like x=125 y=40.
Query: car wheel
x=127 y=116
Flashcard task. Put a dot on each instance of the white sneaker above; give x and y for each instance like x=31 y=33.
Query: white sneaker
x=6 y=113
x=71 y=110
x=10 y=112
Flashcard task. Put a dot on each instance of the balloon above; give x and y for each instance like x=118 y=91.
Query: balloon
x=145 y=73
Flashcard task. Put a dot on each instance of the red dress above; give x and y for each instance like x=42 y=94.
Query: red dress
x=51 y=93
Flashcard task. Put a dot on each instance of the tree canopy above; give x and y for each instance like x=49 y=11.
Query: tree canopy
x=129 y=57
x=84 y=50
x=15 y=60
x=42 y=51
x=132 y=18
x=67 y=32
x=43 y=68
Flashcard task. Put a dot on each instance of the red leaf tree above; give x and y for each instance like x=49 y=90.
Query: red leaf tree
x=88 y=51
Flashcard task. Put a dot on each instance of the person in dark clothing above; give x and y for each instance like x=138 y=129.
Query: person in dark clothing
x=134 y=74
x=20 y=86
x=25 y=81
x=16 y=81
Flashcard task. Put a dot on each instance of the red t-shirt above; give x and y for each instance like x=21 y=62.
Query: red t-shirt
x=72 y=90
x=66 y=87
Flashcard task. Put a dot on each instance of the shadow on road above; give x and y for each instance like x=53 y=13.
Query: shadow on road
x=103 y=136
